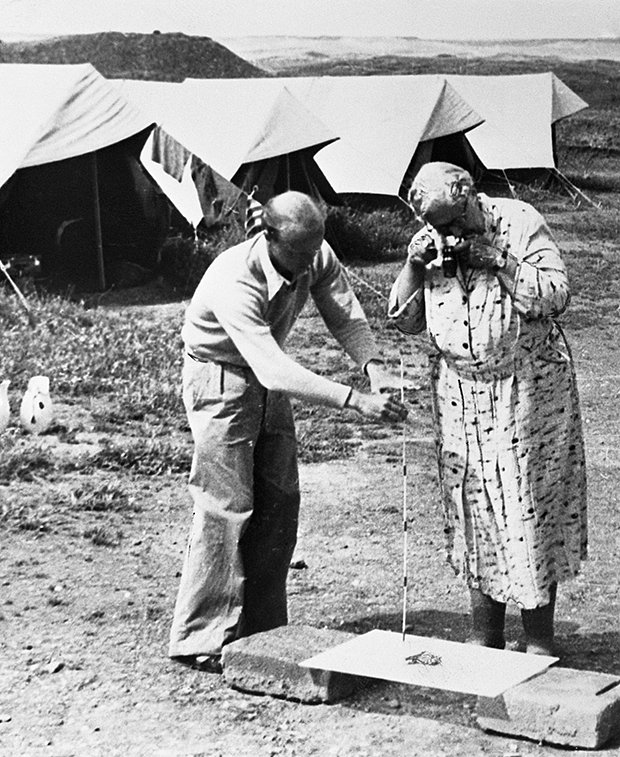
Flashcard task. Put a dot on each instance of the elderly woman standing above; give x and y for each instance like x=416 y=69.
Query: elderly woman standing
x=486 y=280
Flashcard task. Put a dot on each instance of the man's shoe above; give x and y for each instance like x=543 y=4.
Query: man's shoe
x=207 y=663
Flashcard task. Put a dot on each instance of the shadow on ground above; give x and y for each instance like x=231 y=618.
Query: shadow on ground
x=585 y=651
x=599 y=652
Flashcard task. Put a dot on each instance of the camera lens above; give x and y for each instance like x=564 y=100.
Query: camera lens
x=449 y=264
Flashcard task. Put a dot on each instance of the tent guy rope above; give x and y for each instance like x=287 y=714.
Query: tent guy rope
x=23 y=301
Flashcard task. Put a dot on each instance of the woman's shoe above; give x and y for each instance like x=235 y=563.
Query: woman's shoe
x=488 y=618
x=538 y=627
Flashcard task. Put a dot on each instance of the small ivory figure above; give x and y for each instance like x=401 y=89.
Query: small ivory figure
x=36 y=408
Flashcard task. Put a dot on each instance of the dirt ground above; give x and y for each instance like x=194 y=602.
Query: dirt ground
x=83 y=627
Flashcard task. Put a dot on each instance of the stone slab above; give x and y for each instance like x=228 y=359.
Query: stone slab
x=434 y=663
x=268 y=663
x=561 y=706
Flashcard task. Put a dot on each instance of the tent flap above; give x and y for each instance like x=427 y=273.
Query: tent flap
x=565 y=101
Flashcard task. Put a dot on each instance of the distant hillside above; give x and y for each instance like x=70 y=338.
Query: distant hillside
x=278 y=53
x=160 y=57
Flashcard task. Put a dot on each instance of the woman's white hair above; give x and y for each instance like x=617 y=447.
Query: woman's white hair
x=439 y=189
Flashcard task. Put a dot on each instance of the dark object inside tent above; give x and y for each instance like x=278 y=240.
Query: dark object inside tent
x=92 y=221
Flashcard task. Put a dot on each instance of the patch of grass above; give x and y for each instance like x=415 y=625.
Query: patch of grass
x=104 y=536
x=370 y=233
x=28 y=516
x=132 y=407
x=185 y=259
x=594 y=279
x=588 y=224
x=151 y=457
x=322 y=437
x=106 y=497
x=372 y=286
x=23 y=461
x=93 y=353
x=33 y=506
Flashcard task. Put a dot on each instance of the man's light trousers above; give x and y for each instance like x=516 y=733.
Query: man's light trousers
x=245 y=488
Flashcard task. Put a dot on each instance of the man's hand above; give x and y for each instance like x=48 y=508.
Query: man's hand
x=421 y=249
x=378 y=407
x=383 y=380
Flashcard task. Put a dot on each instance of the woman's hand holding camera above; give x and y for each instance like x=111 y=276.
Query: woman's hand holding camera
x=477 y=253
x=480 y=254
x=421 y=250
x=473 y=253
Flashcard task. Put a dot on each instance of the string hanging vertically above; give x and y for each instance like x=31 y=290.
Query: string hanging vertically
x=405 y=513
x=404 y=462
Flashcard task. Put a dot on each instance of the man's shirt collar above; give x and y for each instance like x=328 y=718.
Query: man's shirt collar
x=275 y=280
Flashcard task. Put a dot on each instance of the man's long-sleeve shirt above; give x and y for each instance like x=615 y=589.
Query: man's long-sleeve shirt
x=243 y=310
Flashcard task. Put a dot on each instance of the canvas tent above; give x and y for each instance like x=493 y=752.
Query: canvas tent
x=72 y=190
x=380 y=121
x=519 y=117
x=266 y=139
x=390 y=125
x=500 y=123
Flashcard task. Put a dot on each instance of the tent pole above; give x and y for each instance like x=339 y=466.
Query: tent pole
x=97 y=216
x=554 y=144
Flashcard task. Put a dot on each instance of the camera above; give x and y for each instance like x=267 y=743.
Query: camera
x=448 y=262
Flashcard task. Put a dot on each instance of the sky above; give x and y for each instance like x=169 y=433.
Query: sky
x=428 y=19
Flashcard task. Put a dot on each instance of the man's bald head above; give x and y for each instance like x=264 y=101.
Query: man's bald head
x=294 y=225
x=292 y=215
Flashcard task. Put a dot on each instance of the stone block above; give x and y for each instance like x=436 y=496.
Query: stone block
x=561 y=706
x=268 y=663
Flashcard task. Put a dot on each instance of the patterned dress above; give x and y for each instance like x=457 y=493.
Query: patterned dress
x=506 y=409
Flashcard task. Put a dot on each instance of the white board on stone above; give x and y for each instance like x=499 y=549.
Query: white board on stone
x=463 y=667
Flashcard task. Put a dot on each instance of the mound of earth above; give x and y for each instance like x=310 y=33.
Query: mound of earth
x=156 y=56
